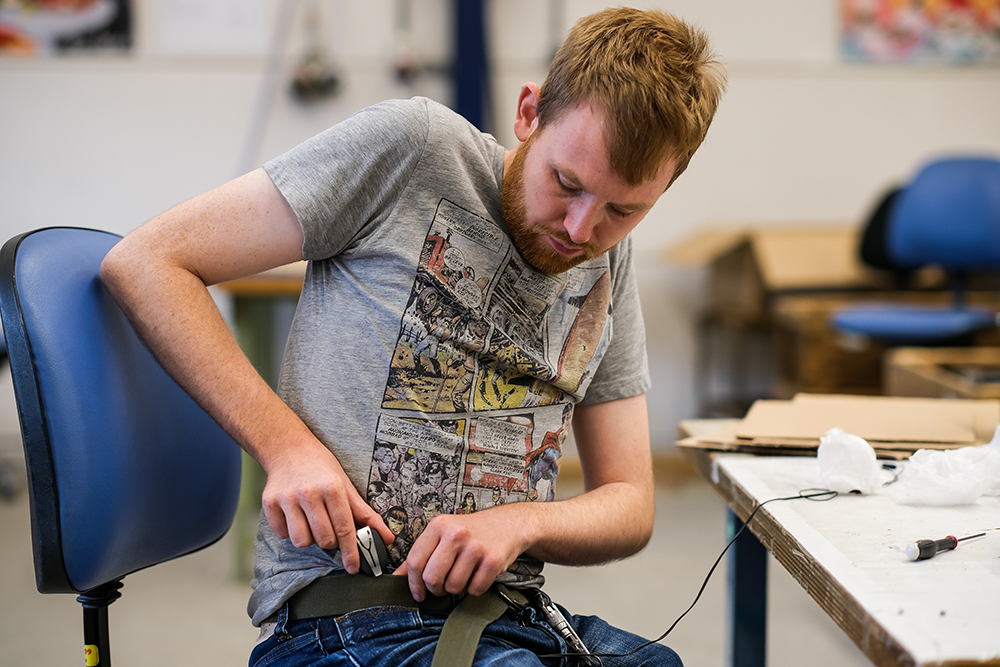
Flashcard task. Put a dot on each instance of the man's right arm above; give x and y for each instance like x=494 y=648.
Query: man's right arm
x=159 y=276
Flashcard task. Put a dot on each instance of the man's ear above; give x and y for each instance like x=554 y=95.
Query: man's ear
x=526 y=119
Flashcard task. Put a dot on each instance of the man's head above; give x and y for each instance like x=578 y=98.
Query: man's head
x=628 y=100
x=652 y=76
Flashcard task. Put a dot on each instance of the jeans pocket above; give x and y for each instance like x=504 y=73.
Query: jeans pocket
x=298 y=651
x=381 y=636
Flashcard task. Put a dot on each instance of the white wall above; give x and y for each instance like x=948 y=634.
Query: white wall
x=800 y=138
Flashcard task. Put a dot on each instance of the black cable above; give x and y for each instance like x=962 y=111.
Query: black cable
x=892 y=469
x=816 y=495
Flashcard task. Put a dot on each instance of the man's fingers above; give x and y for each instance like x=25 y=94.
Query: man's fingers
x=447 y=562
x=322 y=507
x=483 y=578
x=276 y=519
x=344 y=531
x=463 y=566
x=321 y=524
x=415 y=562
x=287 y=519
x=456 y=580
x=443 y=560
x=365 y=515
x=311 y=514
x=457 y=554
x=349 y=548
x=298 y=526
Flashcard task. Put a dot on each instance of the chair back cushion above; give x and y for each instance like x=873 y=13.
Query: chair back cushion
x=125 y=470
x=949 y=215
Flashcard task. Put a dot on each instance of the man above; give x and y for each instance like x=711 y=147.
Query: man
x=410 y=215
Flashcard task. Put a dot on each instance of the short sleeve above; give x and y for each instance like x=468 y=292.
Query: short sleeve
x=344 y=181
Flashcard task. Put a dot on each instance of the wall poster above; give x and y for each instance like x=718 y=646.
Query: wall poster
x=921 y=31
x=48 y=27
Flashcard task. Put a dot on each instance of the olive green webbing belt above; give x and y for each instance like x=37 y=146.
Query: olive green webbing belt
x=343 y=593
x=460 y=635
x=456 y=647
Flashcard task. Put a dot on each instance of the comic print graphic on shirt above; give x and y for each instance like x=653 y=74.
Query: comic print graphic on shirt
x=490 y=357
x=444 y=324
x=473 y=296
x=414 y=474
x=507 y=461
x=424 y=467
x=545 y=336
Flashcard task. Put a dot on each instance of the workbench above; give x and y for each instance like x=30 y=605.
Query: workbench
x=848 y=553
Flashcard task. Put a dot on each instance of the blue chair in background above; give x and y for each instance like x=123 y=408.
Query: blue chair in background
x=124 y=470
x=948 y=216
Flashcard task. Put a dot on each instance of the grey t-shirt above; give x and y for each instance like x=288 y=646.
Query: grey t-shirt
x=437 y=365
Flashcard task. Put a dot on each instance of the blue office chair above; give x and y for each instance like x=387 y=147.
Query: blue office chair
x=949 y=216
x=124 y=470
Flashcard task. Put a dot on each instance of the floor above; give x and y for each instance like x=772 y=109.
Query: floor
x=191 y=611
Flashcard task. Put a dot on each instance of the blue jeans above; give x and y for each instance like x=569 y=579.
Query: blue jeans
x=400 y=637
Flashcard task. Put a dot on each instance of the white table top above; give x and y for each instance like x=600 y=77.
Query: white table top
x=849 y=554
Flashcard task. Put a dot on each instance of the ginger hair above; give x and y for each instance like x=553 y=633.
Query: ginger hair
x=653 y=76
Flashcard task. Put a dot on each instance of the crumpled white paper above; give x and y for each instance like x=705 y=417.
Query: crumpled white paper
x=952 y=476
x=848 y=463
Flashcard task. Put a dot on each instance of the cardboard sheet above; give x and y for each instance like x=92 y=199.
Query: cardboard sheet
x=895 y=427
x=981 y=415
x=872 y=418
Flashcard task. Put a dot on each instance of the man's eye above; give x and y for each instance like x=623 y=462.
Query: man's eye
x=566 y=187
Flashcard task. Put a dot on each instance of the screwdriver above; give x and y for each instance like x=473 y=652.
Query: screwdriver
x=924 y=549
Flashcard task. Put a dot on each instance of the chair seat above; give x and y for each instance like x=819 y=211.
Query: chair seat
x=912 y=324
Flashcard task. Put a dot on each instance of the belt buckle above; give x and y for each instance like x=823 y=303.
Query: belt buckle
x=514 y=599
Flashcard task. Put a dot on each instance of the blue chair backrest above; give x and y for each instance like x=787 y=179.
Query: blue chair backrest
x=949 y=215
x=125 y=470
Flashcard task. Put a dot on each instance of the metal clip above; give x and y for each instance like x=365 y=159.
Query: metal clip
x=560 y=624
x=515 y=599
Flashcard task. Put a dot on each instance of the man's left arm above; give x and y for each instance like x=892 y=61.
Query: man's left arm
x=612 y=519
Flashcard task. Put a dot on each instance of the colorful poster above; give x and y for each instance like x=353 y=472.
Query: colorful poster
x=46 y=27
x=921 y=31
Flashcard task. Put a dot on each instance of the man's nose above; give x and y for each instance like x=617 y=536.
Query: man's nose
x=581 y=219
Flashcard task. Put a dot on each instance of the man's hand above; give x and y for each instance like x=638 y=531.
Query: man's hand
x=309 y=499
x=464 y=553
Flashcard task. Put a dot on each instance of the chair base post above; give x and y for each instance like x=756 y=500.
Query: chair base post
x=96 y=642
